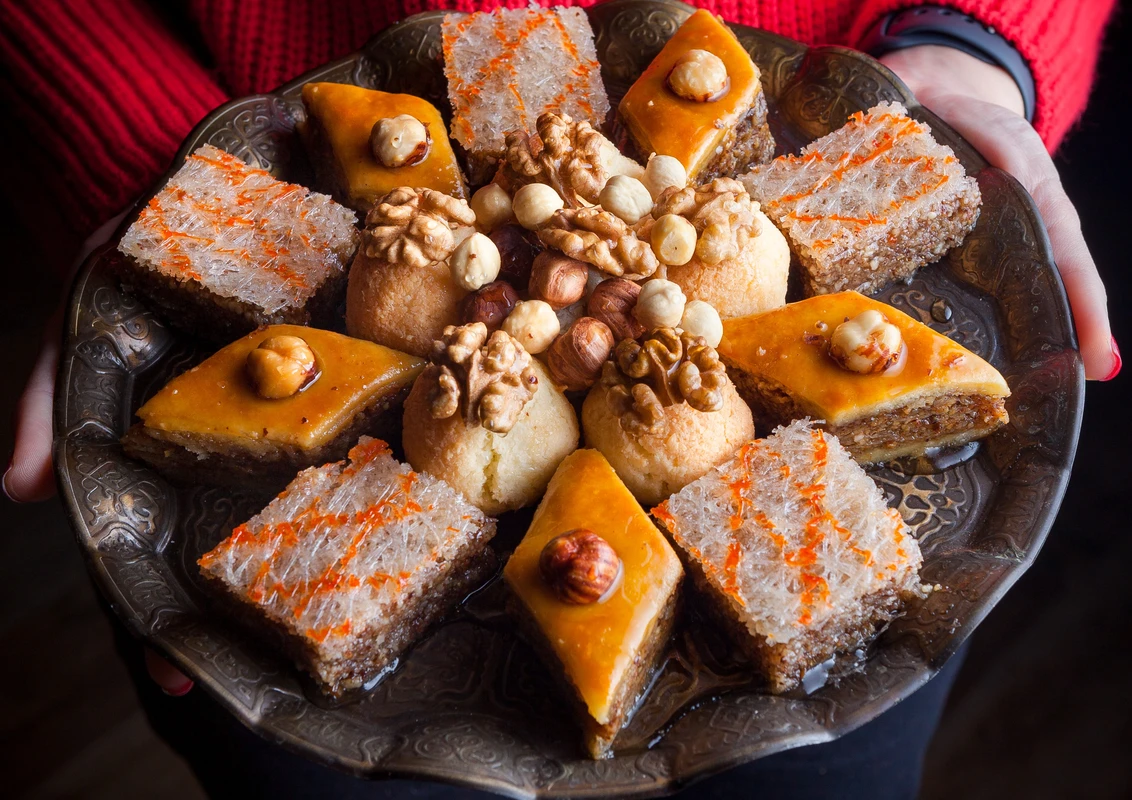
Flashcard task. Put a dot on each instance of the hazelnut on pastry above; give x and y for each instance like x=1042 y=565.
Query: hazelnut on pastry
x=486 y=418
x=739 y=260
x=663 y=172
x=664 y=412
x=492 y=206
x=400 y=292
x=533 y=324
x=400 y=141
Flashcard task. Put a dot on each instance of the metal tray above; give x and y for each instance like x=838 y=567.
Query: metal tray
x=470 y=704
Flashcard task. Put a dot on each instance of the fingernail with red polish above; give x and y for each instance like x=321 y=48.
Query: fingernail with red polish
x=180 y=691
x=4 y=482
x=1117 y=362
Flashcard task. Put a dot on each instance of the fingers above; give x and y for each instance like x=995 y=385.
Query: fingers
x=171 y=680
x=30 y=477
x=1011 y=144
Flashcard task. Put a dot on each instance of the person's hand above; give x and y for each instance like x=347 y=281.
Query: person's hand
x=984 y=105
x=29 y=477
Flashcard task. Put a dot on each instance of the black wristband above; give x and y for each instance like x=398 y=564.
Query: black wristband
x=951 y=28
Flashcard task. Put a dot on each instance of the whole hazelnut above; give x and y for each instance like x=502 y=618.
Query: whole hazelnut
x=516 y=253
x=867 y=344
x=557 y=279
x=579 y=566
x=534 y=324
x=474 y=262
x=612 y=302
x=400 y=141
x=660 y=304
x=534 y=204
x=701 y=319
x=626 y=198
x=492 y=207
x=663 y=172
x=574 y=359
x=673 y=240
x=490 y=305
x=281 y=366
x=700 y=76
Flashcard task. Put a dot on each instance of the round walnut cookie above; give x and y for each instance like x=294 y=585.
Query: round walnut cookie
x=496 y=471
x=400 y=292
x=657 y=436
x=742 y=260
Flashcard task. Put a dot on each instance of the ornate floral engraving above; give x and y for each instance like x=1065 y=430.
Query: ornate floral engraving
x=471 y=703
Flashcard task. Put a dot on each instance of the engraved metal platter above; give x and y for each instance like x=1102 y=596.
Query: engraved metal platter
x=470 y=704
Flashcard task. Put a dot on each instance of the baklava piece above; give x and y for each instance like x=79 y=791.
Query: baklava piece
x=883 y=383
x=365 y=143
x=349 y=566
x=794 y=551
x=594 y=587
x=701 y=102
x=278 y=400
x=870 y=203
x=225 y=248
x=508 y=66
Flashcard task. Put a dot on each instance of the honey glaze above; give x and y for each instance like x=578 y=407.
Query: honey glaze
x=596 y=642
x=217 y=398
x=347 y=115
x=667 y=124
x=785 y=346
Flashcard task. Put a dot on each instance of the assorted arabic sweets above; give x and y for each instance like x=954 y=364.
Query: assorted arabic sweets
x=486 y=418
x=795 y=551
x=280 y=399
x=701 y=102
x=364 y=144
x=869 y=203
x=225 y=248
x=738 y=261
x=883 y=383
x=506 y=67
x=664 y=412
x=649 y=292
x=594 y=587
x=352 y=562
x=401 y=292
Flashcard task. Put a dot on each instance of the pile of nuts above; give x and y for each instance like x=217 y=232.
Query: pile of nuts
x=595 y=284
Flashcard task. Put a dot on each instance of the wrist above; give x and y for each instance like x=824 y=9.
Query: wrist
x=933 y=69
x=919 y=27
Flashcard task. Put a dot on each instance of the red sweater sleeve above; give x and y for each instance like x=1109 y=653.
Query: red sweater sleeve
x=104 y=96
x=1060 y=40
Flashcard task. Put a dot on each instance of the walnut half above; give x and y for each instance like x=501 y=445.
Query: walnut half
x=415 y=226
x=568 y=155
x=667 y=367
x=599 y=238
x=488 y=380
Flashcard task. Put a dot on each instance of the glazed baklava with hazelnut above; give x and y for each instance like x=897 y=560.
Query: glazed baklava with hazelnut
x=364 y=144
x=485 y=417
x=885 y=384
x=419 y=259
x=664 y=412
x=280 y=399
x=594 y=587
x=701 y=102
x=719 y=247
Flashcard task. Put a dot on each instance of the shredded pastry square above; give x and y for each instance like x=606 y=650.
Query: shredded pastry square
x=793 y=533
x=241 y=233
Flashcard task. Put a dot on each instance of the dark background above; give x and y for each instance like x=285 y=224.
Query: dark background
x=1042 y=708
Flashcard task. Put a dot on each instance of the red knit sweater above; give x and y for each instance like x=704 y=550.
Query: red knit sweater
x=103 y=92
